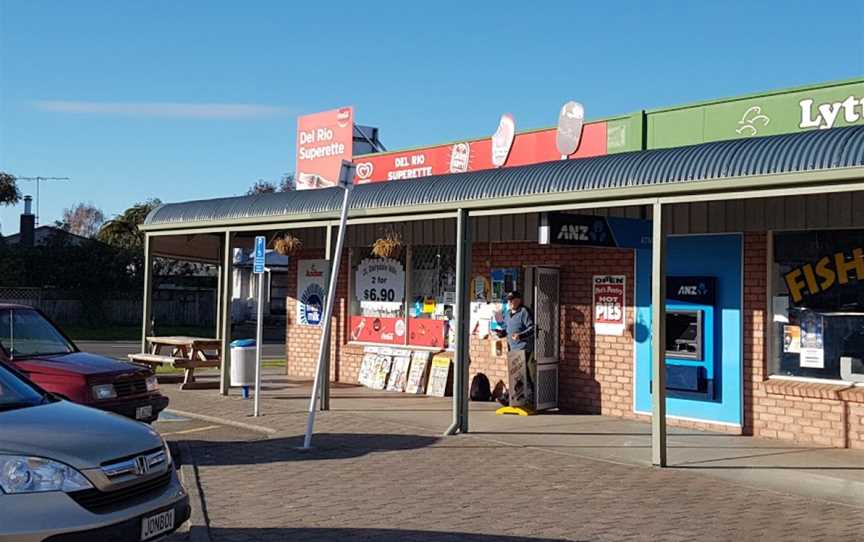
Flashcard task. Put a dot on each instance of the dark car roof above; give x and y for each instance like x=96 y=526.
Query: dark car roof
x=14 y=306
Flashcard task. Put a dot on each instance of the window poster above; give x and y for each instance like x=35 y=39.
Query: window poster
x=812 y=345
x=791 y=339
x=609 y=308
x=311 y=276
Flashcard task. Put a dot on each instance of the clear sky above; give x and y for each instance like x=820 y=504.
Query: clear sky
x=183 y=100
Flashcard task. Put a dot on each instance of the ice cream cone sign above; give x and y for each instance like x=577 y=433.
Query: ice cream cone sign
x=502 y=139
x=569 y=133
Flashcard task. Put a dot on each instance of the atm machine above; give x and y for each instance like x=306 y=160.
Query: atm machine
x=691 y=321
x=542 y=297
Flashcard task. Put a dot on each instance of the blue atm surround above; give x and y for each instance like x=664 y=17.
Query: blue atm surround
x=704 y=275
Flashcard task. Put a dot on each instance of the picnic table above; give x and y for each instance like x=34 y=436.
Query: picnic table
x=188 y=353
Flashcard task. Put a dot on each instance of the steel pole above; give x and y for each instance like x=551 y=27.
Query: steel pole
x=658 y=338
x=328 y=313
x=259 y=339
x=148 y=291
x=463 y=333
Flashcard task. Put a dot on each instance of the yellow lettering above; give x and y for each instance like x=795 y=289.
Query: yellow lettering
x=843 y=266
x=811 y=279
x=826 y=273
x=795 y=286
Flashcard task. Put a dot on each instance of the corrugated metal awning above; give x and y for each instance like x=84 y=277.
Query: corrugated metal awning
x=651 y=172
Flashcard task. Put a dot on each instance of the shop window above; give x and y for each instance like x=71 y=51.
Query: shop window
x=817 y=325
x=404 y=301
x=432 y=296
x=377 y=304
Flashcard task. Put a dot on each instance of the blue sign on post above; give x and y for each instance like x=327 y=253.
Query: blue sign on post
x=260 y=245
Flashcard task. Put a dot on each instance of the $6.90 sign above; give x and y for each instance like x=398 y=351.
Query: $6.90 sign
x=380 y=280
x=609 y=309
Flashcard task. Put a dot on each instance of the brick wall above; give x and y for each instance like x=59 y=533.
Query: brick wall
x=803 y=412
x=301 y=341
x=596 y=372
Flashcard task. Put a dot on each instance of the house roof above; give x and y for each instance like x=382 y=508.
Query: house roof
x=616 y=176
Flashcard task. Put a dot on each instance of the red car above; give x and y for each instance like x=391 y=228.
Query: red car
x=36 y=347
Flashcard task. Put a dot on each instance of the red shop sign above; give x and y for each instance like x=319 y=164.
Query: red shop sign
x=323 y=141
x=427 y=332
x=474 y=155
x=375 y=329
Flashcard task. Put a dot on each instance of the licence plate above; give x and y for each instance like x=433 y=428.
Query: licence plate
x=157 y=524
x=143 y=412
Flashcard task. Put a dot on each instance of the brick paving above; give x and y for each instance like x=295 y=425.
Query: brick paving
x=373 y=479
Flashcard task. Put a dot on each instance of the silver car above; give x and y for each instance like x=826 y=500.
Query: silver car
x=73 y=473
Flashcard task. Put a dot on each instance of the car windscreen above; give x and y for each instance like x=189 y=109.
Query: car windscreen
x=25 y=333
x=15 y=392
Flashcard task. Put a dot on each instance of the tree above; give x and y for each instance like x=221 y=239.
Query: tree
x=122 y=230
x=83 y=219
x=9 y=193
x=285 y=184
x=261 y=187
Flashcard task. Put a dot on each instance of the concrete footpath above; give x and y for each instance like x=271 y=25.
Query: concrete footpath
x=380 y=470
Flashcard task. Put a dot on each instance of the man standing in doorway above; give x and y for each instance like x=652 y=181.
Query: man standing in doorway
x=519 y=326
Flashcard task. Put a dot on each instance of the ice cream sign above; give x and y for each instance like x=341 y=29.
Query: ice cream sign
x=323 y=141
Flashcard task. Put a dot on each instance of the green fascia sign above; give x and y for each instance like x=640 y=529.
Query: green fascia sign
x=780 y=112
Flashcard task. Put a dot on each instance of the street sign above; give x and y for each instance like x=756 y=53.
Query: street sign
x=260 y=246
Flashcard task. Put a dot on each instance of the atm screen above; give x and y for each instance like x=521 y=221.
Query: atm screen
x=684 y=334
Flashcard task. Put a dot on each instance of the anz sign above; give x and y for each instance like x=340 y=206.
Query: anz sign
x=594 y=231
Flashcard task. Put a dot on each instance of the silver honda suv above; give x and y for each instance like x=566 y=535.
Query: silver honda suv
x=73 y=473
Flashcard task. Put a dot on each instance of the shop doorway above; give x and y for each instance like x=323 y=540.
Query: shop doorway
x=542 y=293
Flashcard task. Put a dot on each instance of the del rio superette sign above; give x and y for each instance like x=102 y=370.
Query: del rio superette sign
x=476 y=154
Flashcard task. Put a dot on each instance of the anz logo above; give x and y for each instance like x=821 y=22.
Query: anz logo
x=573 y=232
x=693 y=289
x=577 y=232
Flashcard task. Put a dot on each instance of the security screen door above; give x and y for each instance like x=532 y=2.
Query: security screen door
x=546 y=341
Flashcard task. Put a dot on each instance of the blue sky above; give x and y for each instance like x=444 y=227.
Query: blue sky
x=184 y=100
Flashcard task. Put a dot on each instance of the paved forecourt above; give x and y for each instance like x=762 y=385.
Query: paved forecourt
x=380 y=470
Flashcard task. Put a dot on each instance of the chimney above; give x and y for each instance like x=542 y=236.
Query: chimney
x=28 y=224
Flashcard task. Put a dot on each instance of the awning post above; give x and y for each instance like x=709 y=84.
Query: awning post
x=325 y=369
x=147 y=302
x=463 y=331
x=658 y=338
x=225 y=297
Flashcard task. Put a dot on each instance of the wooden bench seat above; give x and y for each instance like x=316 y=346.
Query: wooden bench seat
x=189 y=365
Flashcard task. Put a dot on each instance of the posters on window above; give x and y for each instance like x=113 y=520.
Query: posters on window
x=311 y=277
x=609 y=308
x=812 y=345
x=380 y=284
x=791 y=339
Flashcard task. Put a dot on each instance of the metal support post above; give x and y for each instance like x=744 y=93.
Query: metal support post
x=463 y=333
x=658 y=338
x=225 y=297
x=325 y=380
x=148 y=292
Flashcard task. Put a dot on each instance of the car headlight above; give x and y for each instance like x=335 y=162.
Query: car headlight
x=152 y=383
x=22 y=474
x=104 y=391
x=168 y=459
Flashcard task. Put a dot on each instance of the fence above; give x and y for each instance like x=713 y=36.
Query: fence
x=171 y=306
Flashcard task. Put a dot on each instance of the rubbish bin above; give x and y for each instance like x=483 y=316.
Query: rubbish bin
x=243 y=364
